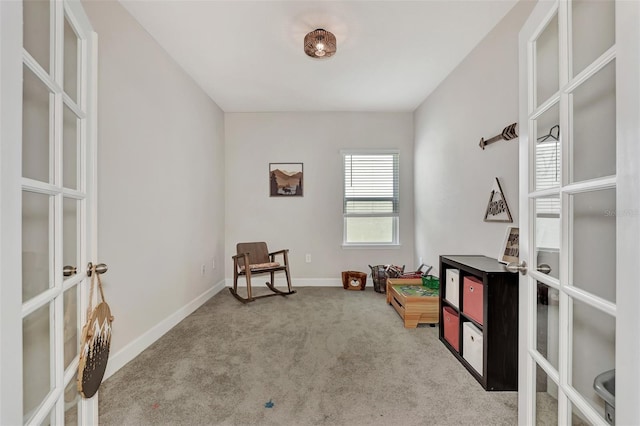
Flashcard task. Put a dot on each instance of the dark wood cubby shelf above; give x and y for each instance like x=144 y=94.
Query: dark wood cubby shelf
x=500 y=319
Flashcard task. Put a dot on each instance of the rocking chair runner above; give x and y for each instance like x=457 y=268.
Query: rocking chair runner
x=259 y=261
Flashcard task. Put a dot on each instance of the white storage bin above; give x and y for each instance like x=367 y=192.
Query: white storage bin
x=452 y=287
x=472 y=346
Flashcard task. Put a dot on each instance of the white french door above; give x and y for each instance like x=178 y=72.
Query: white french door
x=580 y=212
x=47 y=194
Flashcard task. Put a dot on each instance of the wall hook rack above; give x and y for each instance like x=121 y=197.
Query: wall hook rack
x=508 y=133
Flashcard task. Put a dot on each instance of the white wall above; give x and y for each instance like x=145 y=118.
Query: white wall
x=479 y=99
x=453 y=176
x=160 y=183
x=313 y=223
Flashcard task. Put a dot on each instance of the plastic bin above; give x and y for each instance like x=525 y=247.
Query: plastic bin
x=431 y=282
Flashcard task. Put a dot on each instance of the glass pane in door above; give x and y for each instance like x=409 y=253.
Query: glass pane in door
x=70 y=149
x=35 y=128
x=577 y=418
x=70 y=327
x=547 y=63
x=546 y=161
x=70 y=225
x=547 y=235
x=593 y=242
x=36 y=16
x=36 y=263
x=594 y=32
x=547 y=323
x=593 y=148
x=70 y=61
x=71 y=399
x=36 y=358
x=594 y=352
x=546 y=399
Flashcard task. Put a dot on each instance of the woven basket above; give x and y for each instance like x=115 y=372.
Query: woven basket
x=380 y=273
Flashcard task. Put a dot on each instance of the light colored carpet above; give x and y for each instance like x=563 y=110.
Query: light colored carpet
x=323 y=356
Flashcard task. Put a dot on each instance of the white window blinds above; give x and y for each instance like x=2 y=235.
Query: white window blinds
x=371 y=184
x=547 y=164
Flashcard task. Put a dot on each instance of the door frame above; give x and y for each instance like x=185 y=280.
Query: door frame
x=11 y=306
x=627 y=183
x=10 y=213
x=628 y=210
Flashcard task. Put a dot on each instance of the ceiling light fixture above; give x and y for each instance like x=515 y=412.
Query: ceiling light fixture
x=320 y=44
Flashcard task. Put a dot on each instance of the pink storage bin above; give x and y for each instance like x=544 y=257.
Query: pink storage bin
x=451 y=327
x=472 y=297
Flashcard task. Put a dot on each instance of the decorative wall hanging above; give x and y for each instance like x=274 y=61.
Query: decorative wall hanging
x=508 y=133
x=497 y=209
x=96 y=340
x=285 y=179
x=510 y=251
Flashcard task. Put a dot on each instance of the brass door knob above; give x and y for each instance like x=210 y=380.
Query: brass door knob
x=68 y=270
x=544 y=268
x=517 y=267
x=100 y=268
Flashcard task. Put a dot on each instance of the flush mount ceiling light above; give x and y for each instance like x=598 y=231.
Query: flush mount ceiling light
x=320 y=44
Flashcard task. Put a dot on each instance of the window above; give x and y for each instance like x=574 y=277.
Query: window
x=547 y=164
x=371 y=202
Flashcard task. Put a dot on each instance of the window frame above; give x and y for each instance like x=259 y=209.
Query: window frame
x=395 y=241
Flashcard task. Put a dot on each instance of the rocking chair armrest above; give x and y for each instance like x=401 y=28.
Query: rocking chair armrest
x=284 y=254
x=240 y=256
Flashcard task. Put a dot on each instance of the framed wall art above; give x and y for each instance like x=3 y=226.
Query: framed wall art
x=285 y=179
x=510 y=251
x=497 y=209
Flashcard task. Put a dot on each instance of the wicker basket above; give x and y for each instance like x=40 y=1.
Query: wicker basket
x=380 y=273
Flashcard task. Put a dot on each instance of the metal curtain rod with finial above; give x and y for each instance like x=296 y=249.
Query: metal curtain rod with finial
x=508 y=133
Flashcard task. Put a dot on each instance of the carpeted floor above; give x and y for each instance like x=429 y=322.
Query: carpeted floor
x=324 y=356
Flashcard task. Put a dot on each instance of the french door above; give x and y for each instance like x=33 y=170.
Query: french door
x=47 y=193
x=580 y=212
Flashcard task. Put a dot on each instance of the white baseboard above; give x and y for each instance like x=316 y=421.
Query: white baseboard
x=133 y=349
x=295 y=282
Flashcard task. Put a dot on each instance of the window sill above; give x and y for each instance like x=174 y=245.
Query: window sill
x=371 y=246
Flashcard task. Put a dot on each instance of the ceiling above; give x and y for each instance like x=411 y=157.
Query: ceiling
x=248 y=55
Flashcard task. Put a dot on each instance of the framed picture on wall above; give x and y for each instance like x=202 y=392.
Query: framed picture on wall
x=510 y=251
x=285 y=179
x=497 y=209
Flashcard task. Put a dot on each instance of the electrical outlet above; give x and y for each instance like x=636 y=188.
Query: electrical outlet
x=420 y=260
x=213 y=264
x=202 y=269
x=307 y=258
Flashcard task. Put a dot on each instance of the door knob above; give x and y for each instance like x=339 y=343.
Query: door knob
x=68 y=270
x=517 y=267
x=544 y=268
x=101 y=268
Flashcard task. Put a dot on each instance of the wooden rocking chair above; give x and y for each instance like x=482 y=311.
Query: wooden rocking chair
x=260 y=261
